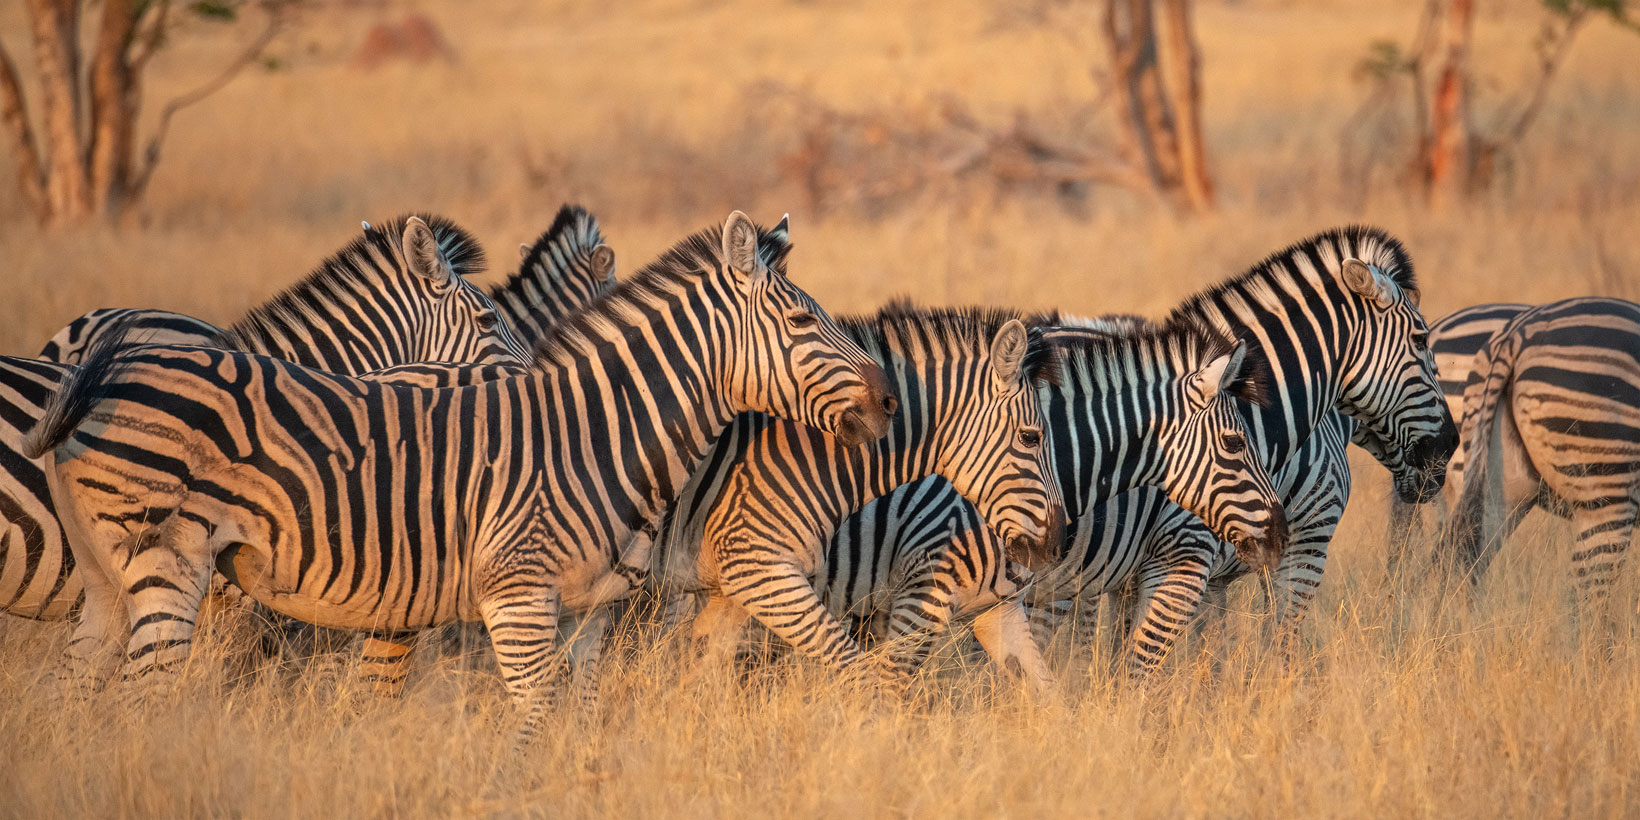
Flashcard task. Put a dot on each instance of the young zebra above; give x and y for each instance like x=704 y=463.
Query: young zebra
x=967 y=380
x=1552 y=419
x=360 y=505
x=1137 y=405
x=393 y=296
x=1336 y=317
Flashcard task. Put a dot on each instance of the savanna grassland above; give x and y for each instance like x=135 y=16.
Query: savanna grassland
x=1408 y=697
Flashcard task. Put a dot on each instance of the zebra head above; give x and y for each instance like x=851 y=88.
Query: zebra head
x=1006 y=468
x=568 y=266
x=452 y=320
x=789 y=358
x=1211 y=470
x=1391 y=385
x=975 y=392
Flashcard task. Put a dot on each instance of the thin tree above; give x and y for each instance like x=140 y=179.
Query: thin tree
x=80 y=160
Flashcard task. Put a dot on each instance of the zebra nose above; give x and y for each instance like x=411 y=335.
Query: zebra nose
x=891 y=405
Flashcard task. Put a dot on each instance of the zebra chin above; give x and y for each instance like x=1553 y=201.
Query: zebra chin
x=1262 y=548
x=1044 y=548
x=867 y=417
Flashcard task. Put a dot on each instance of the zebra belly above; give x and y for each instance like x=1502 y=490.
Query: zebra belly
x=362 y=608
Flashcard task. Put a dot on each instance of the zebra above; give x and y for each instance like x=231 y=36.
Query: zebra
x=388 y=508
x=966 y=378
x=1336 y=317
x=395 y=295
x=1453 y=340
x=1552 y=419
x=1137 y=405
x=567 y=267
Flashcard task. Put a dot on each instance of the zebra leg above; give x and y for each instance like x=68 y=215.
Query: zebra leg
x=586 y=655
x=384 y=664
x=1168 y=595
x=717 y=631
x=1207 y=629
x=524 y=637
x=1603 y=536
x=781 y=598
x=921 y=610
x=103 y=629
x=1120 y=641
x=1005 y=633
x=166 y=578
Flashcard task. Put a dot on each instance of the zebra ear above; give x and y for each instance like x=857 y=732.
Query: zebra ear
x=1362 y=279
x=523 y=250
x=782 y=231
x=421 y=251
x=1008 y=350
x=603 y=263
x=740 y=244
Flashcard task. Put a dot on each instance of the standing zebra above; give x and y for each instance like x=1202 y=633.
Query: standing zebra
x=967 y=380
x=1552 y=419
x=1136 y=405
x=1336 y=317
x=387 y=508
x=393 y=296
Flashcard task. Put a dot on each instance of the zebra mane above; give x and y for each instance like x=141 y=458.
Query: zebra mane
x=1324 y=251
x=904 y=326
x=358 y=262
x=573 y=231
x=1125 y=352
x=689 y=258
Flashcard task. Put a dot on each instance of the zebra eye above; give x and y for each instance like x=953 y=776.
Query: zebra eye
x=486 y=321
x=800 y=319
x=1234 y=442
x=1030 y=438
x=1420 y=340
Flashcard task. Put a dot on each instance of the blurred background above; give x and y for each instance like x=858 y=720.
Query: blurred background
x=1096 y=155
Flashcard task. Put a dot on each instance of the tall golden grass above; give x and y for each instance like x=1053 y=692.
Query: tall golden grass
x=1408 y=698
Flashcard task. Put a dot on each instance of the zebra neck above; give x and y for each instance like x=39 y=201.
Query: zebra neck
x=1303 y=331
x=318 y=341
x=913 y=447
x=1103 y=439
x=635 y=407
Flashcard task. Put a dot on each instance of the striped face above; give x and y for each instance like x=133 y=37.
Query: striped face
x=791 y=360
x=998 y=458
x=445 y=318
x=1392 y=387
x=1210 y=468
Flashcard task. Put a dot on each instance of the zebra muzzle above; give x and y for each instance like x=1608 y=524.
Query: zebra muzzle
x=1263 y=550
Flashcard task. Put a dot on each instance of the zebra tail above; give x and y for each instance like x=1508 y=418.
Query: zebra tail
x=1474 y=517
x=81 y=390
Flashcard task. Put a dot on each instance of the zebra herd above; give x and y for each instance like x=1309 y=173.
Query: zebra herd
x=385 y=449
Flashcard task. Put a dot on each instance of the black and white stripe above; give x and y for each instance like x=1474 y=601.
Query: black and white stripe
x=386 y=508
x=1552 y=420
x=395 y=295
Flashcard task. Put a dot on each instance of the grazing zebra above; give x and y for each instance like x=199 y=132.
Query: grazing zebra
x=387 y=508
x=1552 y=419
x=1336 y=317
x=393 y=296
x=967 y=380
x=1454 y=340
x=1136 y=405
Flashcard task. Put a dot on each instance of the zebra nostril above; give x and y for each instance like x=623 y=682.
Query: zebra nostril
x=891 y=405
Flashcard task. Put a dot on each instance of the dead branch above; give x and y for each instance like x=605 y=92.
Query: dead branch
x=151 y=153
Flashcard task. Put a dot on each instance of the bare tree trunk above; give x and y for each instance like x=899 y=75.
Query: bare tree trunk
x=1447 y=154
x=113 y=108
x=1183 y=52
x=1143 y=107
x=56 y=52
x=14 y=119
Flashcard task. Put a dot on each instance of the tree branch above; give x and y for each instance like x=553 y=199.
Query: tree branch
x=1547 y=67
x=149 y=40
x=14 y=118
x=151 y=152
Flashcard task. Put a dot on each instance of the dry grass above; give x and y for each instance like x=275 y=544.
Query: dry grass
x=1408 y=702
